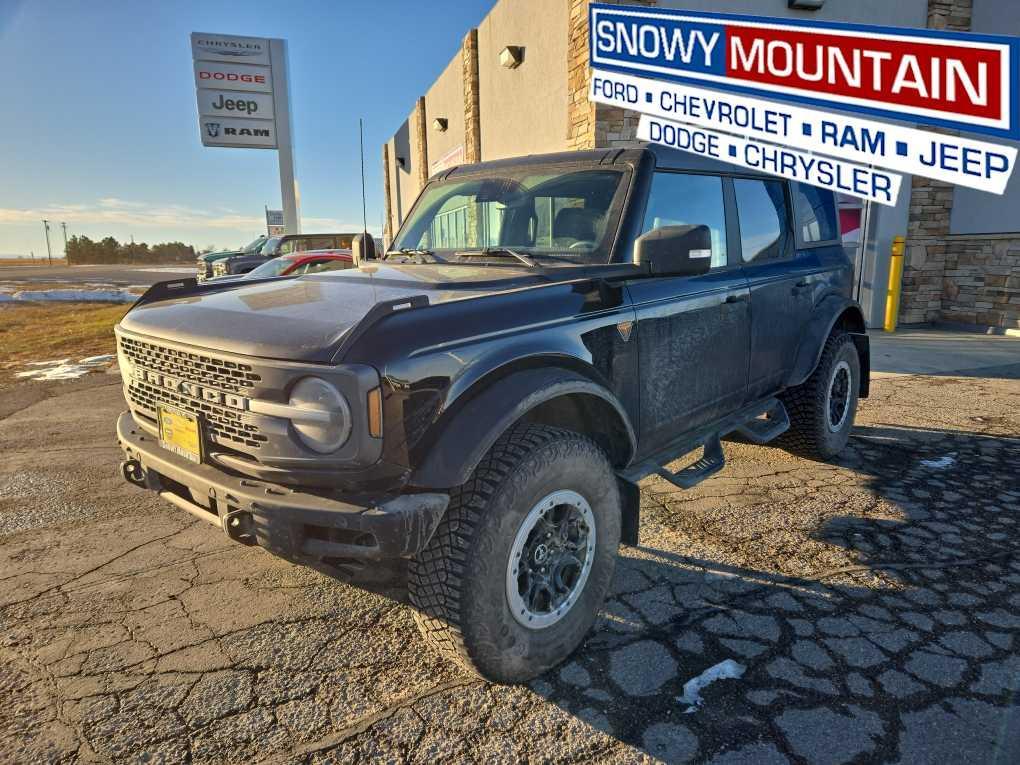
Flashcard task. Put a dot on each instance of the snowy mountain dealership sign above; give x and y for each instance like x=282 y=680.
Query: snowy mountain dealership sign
x=743 y=89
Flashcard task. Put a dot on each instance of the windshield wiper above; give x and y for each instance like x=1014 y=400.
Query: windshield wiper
x=419 y=256
x=500 y=251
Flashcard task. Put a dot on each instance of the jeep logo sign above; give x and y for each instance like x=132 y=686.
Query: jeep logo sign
x=234 y=85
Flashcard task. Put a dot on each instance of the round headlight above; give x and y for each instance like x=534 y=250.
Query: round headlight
x=328 y=424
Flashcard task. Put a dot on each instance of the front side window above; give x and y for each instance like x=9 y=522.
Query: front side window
x=565 y=215
x=679 y=199
x=332 y=265
x=273 y=267
x=269 y=248
x=764 y=219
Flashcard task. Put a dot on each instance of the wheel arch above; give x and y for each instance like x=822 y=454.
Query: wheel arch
x=832 y=313
x=533 y=391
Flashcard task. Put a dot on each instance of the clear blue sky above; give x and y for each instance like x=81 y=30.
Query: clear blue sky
x=98 y=124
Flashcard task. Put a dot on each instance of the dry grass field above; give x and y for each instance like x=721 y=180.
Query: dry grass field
x=46 y=331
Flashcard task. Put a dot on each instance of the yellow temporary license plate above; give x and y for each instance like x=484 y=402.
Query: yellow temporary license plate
x=179 y=433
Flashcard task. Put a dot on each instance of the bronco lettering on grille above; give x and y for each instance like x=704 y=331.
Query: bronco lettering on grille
x=186 y=388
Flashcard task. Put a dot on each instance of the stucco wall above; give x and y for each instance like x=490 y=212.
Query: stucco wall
x=446 y=99
x=403 y=188
x=978 y=212
x=523 y=110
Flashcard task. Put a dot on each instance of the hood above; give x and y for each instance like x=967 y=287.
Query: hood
x=209 y=257
x=305 y=318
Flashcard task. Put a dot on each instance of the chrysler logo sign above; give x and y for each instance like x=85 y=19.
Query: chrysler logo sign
x=233 y=48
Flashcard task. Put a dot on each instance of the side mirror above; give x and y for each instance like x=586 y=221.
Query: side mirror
x=362 y=248
x=675 y=251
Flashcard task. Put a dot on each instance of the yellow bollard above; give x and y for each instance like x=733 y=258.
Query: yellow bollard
x=892 y=297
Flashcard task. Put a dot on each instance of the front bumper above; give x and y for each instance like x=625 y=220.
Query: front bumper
x=338 y=534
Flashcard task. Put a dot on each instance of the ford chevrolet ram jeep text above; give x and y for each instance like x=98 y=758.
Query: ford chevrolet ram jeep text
x=465 y=418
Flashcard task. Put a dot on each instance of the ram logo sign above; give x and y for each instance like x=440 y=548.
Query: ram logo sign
x=956 y=80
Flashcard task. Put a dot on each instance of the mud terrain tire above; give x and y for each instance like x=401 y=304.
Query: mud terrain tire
x=461 y=584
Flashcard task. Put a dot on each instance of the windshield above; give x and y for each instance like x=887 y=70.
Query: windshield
x=566 y=215
x=270 y=245
x=254 y=245
x=274 y=267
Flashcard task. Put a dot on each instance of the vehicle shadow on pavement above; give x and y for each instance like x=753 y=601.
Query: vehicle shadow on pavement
x=143 y=635
x=883 y=624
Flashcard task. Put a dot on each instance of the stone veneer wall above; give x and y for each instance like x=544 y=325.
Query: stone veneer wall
x=472 y=107
x=387 y=233
x=981 y=280
x=420 y=143
x=964 y=279
x=590 y=125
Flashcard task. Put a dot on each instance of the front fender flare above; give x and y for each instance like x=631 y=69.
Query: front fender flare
x=472 y=430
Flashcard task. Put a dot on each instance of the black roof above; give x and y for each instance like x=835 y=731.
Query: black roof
x=664 y=156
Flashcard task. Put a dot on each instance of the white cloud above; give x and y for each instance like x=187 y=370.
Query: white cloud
x=115 y=212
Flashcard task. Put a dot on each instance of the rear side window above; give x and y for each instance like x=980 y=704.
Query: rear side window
x=816 y=213
x=764 y=219
x=677 y=199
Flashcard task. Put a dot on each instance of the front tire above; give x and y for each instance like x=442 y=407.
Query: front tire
x=823 y=407
x=514 y=576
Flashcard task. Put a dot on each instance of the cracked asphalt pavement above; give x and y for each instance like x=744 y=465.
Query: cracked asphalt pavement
x=874 y=604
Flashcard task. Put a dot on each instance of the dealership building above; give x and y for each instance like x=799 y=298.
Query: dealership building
x=519 y=85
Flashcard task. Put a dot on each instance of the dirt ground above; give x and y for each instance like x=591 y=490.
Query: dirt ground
x=873 y=603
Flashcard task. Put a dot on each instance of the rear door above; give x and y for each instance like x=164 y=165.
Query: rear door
x=693 y=331
x=779 y=277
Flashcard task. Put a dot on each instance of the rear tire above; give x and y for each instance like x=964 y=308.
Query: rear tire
x=823 y=407
x=498 y=543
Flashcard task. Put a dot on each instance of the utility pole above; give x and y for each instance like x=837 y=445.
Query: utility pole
x=64 y=226
x=46 y=228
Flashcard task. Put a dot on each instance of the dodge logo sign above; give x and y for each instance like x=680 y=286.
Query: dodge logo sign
x=212 y=129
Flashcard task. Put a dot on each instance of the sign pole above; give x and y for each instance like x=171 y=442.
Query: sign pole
x=284 y=135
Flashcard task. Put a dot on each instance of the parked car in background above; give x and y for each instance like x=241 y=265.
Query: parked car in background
x=207 y=261
x=298 y=263
x=242 y=263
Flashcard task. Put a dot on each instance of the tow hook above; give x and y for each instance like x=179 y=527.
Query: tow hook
x=238 y=526
x=133 y=472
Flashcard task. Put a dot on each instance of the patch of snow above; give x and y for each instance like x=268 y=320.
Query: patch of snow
x=943 y=462
x=76 y=296
x=64 y=369
x=724 y=670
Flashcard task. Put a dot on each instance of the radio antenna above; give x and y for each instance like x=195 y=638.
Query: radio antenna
x=364 y=208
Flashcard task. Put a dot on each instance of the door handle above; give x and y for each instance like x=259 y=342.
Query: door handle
x=800 y=286
x=737 y=297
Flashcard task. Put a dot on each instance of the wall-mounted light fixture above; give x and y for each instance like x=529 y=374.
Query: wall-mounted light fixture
x=805 y=5
x=512 y=56
x=440 y=124
x=402 y=162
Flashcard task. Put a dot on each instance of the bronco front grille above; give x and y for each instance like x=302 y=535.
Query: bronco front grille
x=223 y=424
x=227 y=376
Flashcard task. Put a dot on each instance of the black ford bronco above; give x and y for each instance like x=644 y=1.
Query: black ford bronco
x=465 y=418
